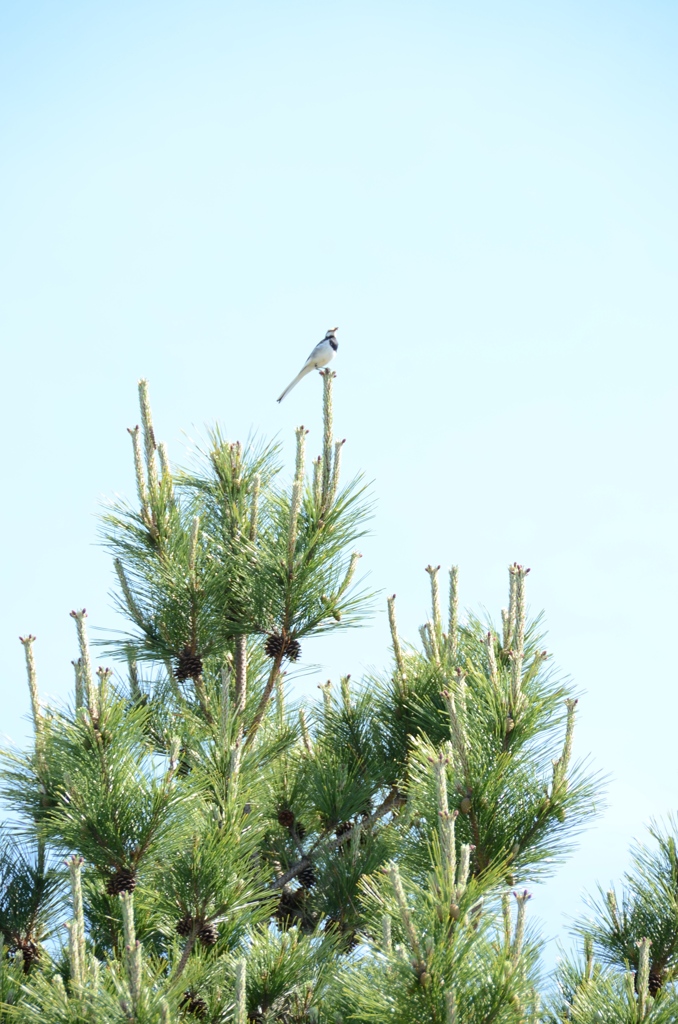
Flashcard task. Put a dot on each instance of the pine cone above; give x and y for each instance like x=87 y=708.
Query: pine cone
x=293 y=650
x=124 y=880
x=291 y=904
x=295 y=911
x=275 y=644
x=307 y=877
x=654 y=982
x=208 y=934
x=185 y=926
x=656 y=979
x=286 y=817
x=29 y=952
x=193 y=1003
x=342 y=828
x=349 y=936
x=188 y=666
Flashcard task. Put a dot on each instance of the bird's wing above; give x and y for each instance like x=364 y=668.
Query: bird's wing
x=322 y=354
x=309 y=365
x=313 y=355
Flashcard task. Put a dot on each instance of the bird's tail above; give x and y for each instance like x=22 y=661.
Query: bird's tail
x=302 y=373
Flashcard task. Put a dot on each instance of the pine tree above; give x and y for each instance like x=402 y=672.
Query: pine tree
x=226 y=853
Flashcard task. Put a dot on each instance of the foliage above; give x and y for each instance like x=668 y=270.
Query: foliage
x=236 y=856
x=589 y=991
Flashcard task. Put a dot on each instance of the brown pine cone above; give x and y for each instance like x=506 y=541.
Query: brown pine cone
x=275 y=644
x=307 y=877
x=208 y=934
x=194 y=1003
x=185 y=926
x=124 y=880
x=188 y=665
x=286 y=817
x=29 y=951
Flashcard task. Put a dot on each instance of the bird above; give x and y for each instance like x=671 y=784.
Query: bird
x=322 y=354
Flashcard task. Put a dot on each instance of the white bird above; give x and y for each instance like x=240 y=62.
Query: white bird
x=322 y=354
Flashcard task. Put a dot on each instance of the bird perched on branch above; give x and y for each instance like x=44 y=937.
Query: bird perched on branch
x=322 y=354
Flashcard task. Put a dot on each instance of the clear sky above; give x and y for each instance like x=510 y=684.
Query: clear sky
x=483 y=198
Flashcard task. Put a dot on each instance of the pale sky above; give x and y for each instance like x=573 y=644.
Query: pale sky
x=482 y=197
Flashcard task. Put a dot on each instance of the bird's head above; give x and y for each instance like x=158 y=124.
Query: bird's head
x=332 y=330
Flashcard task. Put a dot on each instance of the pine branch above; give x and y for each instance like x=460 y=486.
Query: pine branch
x=185 y=955
x=392 y=802
x=266 y=696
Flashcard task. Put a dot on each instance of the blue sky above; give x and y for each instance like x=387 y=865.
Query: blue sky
x=482 y=196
